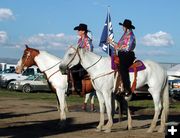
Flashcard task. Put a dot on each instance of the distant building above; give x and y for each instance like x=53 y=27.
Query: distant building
x=168 y=65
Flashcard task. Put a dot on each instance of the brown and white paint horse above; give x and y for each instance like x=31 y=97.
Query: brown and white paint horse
x=49 y=65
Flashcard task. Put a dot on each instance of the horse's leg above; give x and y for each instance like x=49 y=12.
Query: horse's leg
x=129 y=119
x=158 y=106
x=66 y=107
x=61 y=97
x=101 y=106
x=128 y=114
x=165 y=110
x=58 y=104
x=92 y=101
x=108 y=126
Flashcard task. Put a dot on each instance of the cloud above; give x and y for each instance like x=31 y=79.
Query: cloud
x=51 y=41
x=6 y=14
x=157 y=39
x=153 y=53
x=3 y=37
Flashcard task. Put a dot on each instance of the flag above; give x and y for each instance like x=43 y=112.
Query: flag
x=107 y=32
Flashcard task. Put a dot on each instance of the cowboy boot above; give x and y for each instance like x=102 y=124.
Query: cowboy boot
x=84 y=106
x=92 y=108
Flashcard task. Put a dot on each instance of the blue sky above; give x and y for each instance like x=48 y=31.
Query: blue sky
x=48 y=25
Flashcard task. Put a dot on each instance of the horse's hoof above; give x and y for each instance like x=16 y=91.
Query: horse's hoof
x=161 y=130
x=107 y=131
x=98 y=130
x=104 y=128
x=129 y=128
x=149 y=131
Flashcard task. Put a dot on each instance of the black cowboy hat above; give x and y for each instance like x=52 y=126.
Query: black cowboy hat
x=128 y=24
x=81 y=27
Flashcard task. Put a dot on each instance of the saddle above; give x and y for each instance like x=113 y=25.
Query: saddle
x=137 y=66
x=79 y=81
x=86 y=85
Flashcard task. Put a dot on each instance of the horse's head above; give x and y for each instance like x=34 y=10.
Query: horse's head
x=27 y=59
x=70 y=59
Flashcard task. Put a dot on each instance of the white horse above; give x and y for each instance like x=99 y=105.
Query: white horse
x=103 y=80
x=49 y=65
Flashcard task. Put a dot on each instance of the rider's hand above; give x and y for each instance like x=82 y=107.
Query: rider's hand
x=109 y=40
x=116 y=47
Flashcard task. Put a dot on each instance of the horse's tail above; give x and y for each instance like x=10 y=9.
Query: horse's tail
x=165 y=111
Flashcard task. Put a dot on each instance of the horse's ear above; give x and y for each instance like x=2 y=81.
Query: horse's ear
x=26 y=46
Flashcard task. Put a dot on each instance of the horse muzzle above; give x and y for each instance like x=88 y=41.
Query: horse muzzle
x=18 y=70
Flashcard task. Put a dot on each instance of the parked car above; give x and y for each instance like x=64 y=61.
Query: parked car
x=174 y=88
x=33 y=83
x=6 y=78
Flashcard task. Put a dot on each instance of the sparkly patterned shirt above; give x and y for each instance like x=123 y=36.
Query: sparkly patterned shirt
x=86 y=43
x=127 y=42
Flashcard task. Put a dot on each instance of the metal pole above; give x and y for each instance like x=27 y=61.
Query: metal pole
x=108 y=26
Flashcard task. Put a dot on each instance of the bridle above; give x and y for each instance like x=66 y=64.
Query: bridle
x=100 y=75
x=29 y=55
x=77 y=53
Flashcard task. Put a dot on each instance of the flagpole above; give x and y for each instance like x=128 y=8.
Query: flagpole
x=108 y=26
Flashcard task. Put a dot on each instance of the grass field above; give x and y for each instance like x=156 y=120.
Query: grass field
x=75 y=99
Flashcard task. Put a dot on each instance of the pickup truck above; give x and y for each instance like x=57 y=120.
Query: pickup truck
x=6 y=78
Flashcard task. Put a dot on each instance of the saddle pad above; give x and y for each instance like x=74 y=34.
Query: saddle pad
x=138 y=64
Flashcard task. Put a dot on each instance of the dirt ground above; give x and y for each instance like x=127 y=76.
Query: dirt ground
x=21 y=118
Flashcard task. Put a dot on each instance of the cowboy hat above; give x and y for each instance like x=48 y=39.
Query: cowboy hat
x=128 y=24
x=81 y=27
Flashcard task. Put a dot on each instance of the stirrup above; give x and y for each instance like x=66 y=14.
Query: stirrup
x=126 y=93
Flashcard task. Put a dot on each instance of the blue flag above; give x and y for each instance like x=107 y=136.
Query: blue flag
x=109 y=49
x=107 y=32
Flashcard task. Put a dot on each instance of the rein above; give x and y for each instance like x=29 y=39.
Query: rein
x=77 y=52
x=101 y=75
x=32 y=58
x=51 y=67
x=94 y=63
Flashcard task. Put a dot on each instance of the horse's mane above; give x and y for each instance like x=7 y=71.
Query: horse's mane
x=50 y=55
x=95 y=54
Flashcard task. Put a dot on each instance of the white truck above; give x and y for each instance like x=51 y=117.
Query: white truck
x=5 y=67
x=6 y=78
